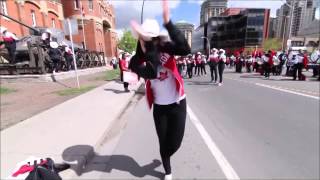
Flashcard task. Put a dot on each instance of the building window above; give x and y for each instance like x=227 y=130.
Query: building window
x=91 y=5
x=33 y=17
x=76 y=4
x=3 y=4
x=53 y=23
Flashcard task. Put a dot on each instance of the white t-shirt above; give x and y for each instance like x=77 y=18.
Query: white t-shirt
x=164 y=88
x=10 y=35
x=223 y=58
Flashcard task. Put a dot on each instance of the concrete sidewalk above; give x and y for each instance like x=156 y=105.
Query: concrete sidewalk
x=82 y=120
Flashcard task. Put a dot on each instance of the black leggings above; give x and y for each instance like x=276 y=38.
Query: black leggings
x=213 y=69
x=203 y=68
x=197 y=69
x=11 y=47
x=221 y=66
x=170 y=124
x=189 y=70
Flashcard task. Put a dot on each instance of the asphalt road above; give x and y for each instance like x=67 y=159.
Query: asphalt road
x=265 y=129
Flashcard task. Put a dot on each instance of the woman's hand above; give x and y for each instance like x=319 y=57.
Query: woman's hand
x=166 y=11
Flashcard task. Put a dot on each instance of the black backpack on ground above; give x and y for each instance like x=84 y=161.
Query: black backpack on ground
x=47 y=171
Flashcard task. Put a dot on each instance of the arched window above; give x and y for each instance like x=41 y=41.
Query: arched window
x=53 y=23
x=33 y=18
x=3 y=7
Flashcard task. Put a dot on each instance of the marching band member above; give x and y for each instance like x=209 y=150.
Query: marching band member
x=249 y=62
x=298 y=65
x=283 y=59
x=238 y=62
x=190 y=65
x=315 y=57
x=198 y=63
x=232 y=60
x=254 y=60
x=203 y=65
x=267 y=63
x=213 y=61
x=10 y=42
x=221 y=64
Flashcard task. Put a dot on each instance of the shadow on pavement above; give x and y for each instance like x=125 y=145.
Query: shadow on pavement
x=105 y=163
x=198 y=83
x=116 y=91
x=252 y=76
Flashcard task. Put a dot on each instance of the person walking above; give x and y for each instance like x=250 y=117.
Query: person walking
x=298 y=66
x=198 y=63
x=203 y=65
x=123 y=64
x=155 y=62
x=213 y=62
x=55 y=55
x=190 y=65
x=10 y=43
x=221 y=65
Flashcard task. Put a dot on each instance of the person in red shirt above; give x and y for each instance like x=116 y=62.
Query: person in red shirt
x=198 y=64
x=124 y=67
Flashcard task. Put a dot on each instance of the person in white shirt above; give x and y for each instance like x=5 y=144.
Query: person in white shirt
x=221 y=65
x=203 y=65
x=155 y=62
x=298 y=65
x=10 y=41
x=315 y=58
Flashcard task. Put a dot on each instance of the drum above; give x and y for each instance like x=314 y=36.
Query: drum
x=276 y=61
x=259 y=60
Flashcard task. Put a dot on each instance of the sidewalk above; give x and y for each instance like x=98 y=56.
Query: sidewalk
x=81 y=120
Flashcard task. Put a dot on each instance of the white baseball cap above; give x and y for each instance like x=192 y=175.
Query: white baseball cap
x=54 y=44
x=2 y=29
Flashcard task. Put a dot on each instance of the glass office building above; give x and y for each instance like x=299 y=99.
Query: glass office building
x=247 y=29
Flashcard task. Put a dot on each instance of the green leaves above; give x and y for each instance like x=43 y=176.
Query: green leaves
x=127 y=42
x=272 y=44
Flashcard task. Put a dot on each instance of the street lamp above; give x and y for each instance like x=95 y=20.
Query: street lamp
x=291 y=16
x=208 y=42
x=284 y=30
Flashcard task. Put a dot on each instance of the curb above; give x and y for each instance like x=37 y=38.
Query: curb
x=52 y=77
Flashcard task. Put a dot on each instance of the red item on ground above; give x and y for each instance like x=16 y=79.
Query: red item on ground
x=26 y=168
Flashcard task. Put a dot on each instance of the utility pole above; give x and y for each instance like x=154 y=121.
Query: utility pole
x=284 y=32
x=142 y=11
x=291 y=17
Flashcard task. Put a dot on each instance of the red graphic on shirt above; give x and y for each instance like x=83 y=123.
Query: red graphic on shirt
x=163 y=76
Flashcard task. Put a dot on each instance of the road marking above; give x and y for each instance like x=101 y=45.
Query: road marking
x=288 y=91
x=215 y=151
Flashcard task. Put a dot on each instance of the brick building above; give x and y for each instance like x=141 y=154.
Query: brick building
x=99 y=24
x=35 y=13
x=99 y=19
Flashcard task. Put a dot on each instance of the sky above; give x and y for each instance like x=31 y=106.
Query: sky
x=181 y=10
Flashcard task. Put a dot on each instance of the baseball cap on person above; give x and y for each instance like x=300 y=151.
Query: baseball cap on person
x=2 y=29
x=54 y=45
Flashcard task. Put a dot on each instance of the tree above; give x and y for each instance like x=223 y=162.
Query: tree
x=272 y=44
x=127 y=43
